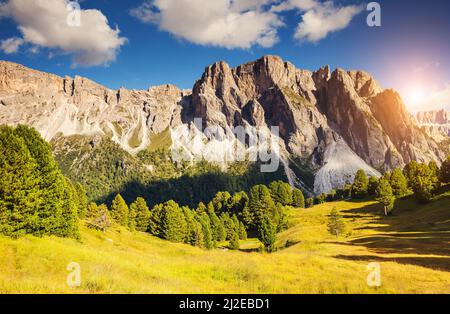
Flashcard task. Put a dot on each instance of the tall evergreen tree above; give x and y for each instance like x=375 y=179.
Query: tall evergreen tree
x=385 y=195
x=335 y=224
x=99 y=217
x=56 y=213
x=281 y=192
x=120 y=211
x=132 y=218
x=242 y=231
x=360 y=185
x=173 y=222
x=209 y=242
x=444 y=172
x=298 y=199
x=267 y=234
x=260 y=204
x=92 y=210
x=228 y=224
x=35 y=198
x=82 y=200
x=398 y=183
x=422 y=179
x=217 y=228
x=372 y=187
x=142 y=219
x=234 y=241
x=20 y=195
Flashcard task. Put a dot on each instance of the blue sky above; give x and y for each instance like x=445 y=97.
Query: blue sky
x=409 y=52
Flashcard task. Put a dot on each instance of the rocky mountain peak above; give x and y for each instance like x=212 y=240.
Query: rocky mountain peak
x=331 y=122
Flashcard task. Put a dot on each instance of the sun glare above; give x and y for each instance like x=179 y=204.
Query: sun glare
x=415 y=97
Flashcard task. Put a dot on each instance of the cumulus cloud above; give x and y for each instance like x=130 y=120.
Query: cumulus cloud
x=319 y=19
x=46 y=23
x=11 y=45
x=221 y=23
x=243 y=23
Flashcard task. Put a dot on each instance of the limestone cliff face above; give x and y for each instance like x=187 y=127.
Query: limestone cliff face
x=436 y=123
x=336 y=123
x=79 y=106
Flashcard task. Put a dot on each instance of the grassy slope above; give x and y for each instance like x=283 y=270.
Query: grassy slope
x=412 y=247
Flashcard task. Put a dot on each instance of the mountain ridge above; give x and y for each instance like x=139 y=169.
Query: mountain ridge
x=321 y=115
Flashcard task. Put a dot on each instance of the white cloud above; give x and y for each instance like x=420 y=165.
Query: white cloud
x=221 y=23
x=11 y=45
x=319 y=19
x=44 y=23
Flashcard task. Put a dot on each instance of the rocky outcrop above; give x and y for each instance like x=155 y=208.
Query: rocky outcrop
x=79 y=106
x=334 y=122
x=435 y=123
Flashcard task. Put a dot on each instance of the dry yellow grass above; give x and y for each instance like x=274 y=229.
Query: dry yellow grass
x=412 y=248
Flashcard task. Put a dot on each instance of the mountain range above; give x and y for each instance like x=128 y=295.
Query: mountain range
x=331 y=123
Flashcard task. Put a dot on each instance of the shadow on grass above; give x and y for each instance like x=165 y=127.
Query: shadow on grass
x=436 y=263
x=411 y=229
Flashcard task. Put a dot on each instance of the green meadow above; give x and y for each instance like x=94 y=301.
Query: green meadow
x=411 y=247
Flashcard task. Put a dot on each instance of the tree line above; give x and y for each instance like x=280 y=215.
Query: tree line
x=420 y=180
x=226 y=217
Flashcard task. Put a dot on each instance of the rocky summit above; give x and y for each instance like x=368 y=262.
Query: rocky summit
x=331 y=123
x=436 y=123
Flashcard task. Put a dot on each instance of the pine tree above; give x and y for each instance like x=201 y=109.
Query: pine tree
x=35 y=198
x=242 y=231
x=228 y=224
x=444 y=171
x=132 y=219
x=142 y=219
x=154 y=224
x=120 y=211
x=398 y=183
x=238 y=203
x=234 y=241
x=82 y=200
x=56 y=213
x=20 y=196
x=101 y=220
x=422 y=179
x=267 y=234
x=373 y=184
x=385 y=195
x=360 y=185
x=335 y=224
x=221 y=202
x=92 y=210
x=298 y=199
x=194 y=229
x=260 y=204
x=434 y=174
x=68 y=222
x=281 y=192
x=173 y=223
x=209 y=242
x=217 y=228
